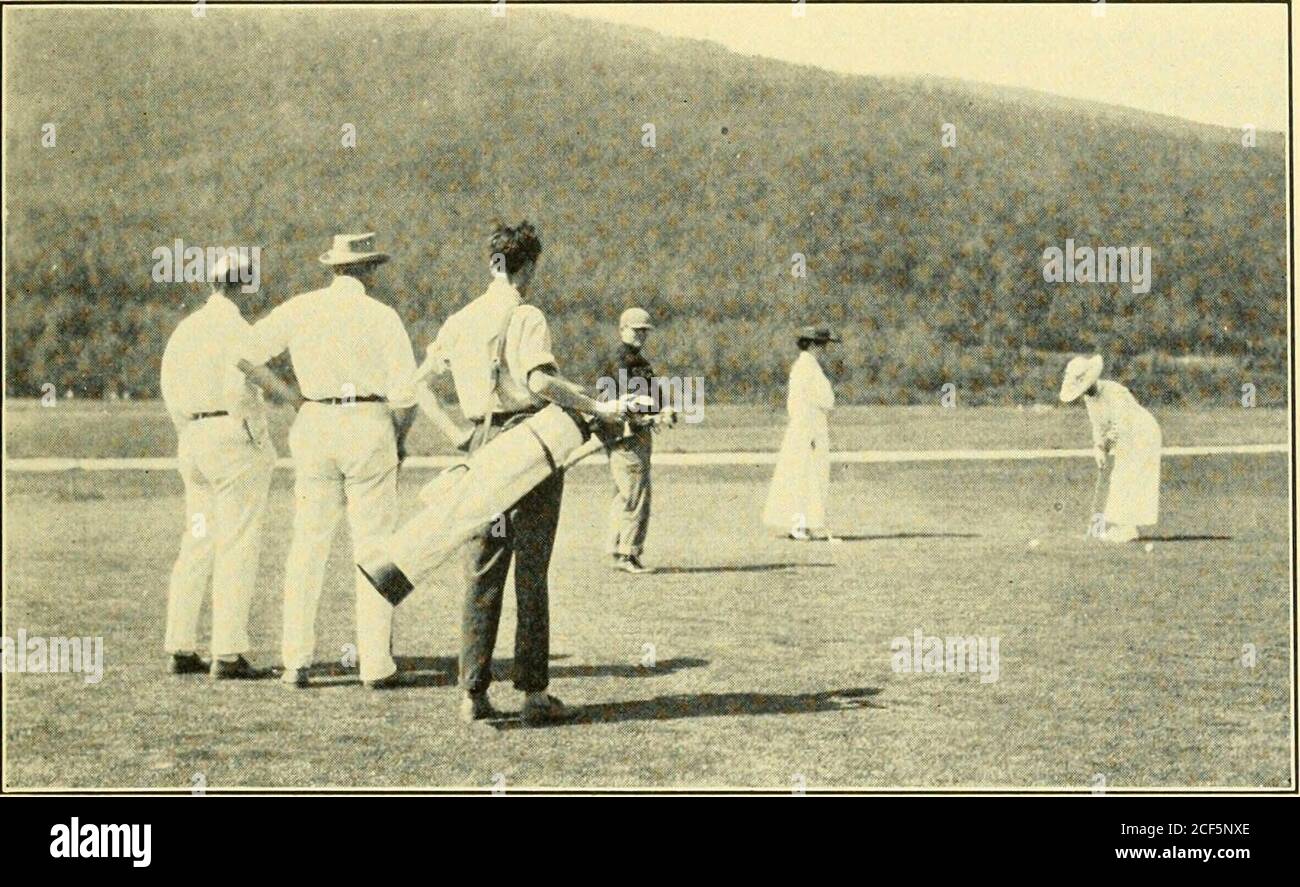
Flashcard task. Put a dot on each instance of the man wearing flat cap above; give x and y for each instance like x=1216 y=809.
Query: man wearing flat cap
x=796 y=501
x=225 y=458
x=629 y=455
x=353 y=360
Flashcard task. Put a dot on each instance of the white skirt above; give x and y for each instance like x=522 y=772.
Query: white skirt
x=801 y=482
x=1134 y=496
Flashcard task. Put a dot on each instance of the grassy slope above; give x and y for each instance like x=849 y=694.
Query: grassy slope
x=929 y=260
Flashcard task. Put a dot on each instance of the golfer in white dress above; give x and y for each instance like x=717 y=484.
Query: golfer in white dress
x=796 y=501
x=1123 y=429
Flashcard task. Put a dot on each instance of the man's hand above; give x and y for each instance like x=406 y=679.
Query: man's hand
x=612 y=412
x=666 y=418
x=402 y=419
x=274 y=387
x=463 y=438
x=1099 y=456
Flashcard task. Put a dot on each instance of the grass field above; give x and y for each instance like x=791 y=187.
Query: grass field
x=132 y=429
x=772 y=658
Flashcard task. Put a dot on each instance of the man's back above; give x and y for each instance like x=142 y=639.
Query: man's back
x=469 y=341
x=342 y=343
x=198 y=372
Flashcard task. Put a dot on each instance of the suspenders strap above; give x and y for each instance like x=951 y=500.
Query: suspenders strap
x=498 y=361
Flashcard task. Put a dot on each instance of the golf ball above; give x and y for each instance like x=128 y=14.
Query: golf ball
x=1033 y=543
x=1150 y=547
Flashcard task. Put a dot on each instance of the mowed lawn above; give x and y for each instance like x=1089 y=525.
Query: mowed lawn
x=133 y=429
x=772 y=662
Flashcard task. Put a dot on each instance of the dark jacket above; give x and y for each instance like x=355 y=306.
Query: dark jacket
x=633 y=365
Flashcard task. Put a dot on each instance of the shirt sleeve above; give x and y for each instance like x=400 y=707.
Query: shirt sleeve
x=438 y=354
x=796 y=398
x=270 y=336
x=531 y=339
x=170 y=390
x=401 y=365
x=1096 y=418
x=825 y=394
x=235 y=393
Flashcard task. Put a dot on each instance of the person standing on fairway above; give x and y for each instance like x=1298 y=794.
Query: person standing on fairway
x=226 y=458
x=1124 y=431
x=796 y=501
x=629 y=456
x=354 y=362
x=498 y=351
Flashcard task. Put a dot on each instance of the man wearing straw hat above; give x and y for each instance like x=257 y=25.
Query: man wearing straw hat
x=354 y=363
x=225 y=458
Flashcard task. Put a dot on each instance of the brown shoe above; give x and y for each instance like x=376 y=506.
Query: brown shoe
x=239 y=670
x=543 y=709
x=186 y=663
x=477 y=707
x=384 y=683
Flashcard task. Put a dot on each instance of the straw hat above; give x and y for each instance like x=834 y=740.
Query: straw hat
x=354 y=249
x=1080 y=373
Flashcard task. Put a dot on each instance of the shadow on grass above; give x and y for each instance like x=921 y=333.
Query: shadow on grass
x=733 y=568
x=884 y=536
x=1184 y=537
x=707 y=705
x=441 y=671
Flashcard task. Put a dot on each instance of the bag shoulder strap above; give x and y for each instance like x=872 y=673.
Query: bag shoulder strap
x=499 y=359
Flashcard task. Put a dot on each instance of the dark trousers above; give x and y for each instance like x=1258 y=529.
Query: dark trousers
x=526 y=533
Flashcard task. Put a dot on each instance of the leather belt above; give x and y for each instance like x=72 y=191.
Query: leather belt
x=502 y=419
x=344 y=401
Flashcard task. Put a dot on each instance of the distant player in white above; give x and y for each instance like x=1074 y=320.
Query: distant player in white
x=226 y=458
x=796 y=500
x=1123 y=429
x=355 y=366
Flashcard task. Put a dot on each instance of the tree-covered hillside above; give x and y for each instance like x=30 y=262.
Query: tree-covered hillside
x=228 y=130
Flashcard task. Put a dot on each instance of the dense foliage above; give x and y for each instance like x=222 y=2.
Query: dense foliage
x=228 y=130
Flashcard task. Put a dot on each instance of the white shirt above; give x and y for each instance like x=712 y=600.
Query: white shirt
x=198 y=365
x=1111 y=411
x=810 y=397
x=342 y=342
x=467 y=347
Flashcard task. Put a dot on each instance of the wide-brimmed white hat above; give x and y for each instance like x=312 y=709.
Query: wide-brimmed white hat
x=1080 y=373
x=354 y=249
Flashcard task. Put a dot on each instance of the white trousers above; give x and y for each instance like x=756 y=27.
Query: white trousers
x=345 y=457
x=226 y=477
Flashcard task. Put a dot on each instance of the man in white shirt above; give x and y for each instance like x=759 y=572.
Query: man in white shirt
x=226 y=459
x=354 y=364
x=498 y=351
